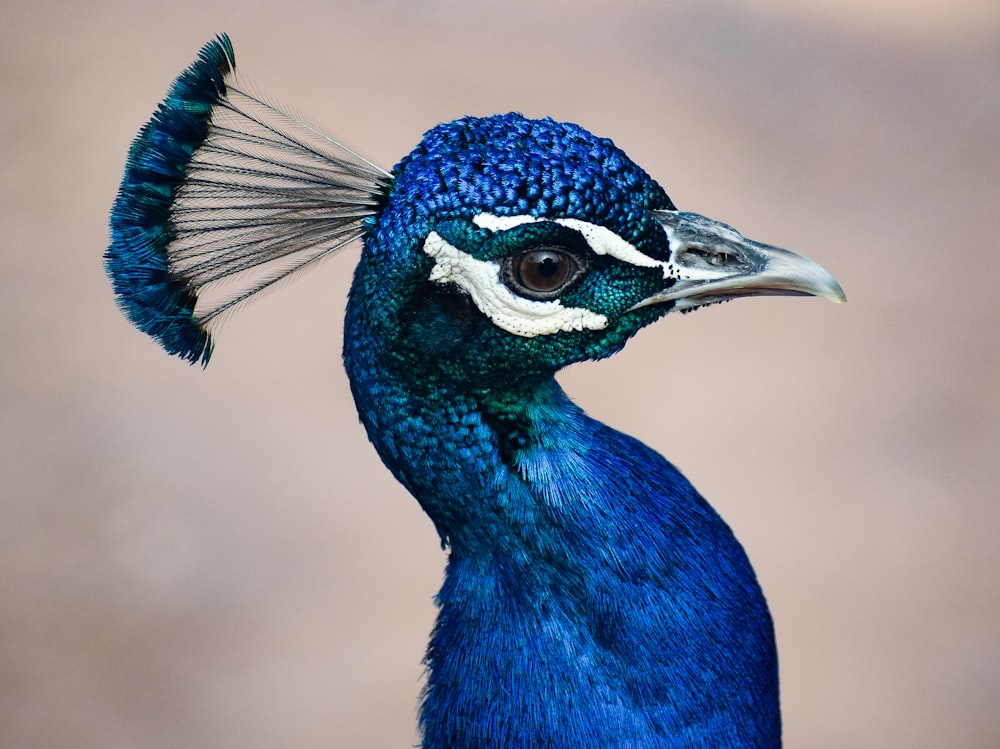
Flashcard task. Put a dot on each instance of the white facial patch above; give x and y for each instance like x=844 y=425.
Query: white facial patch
x=688 y=273
x=480 y=279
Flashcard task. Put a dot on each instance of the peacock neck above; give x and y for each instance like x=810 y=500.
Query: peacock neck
x=591 y=596
x=459 y=451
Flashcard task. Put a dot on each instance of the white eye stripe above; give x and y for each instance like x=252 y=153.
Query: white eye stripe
x=480 y=279
x=500 y=223
x=603 y=241
x=600 y=239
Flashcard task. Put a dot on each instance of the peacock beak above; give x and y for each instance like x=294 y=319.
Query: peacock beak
x=712 y=262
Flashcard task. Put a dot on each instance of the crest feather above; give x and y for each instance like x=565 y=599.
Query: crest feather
x=224 y=195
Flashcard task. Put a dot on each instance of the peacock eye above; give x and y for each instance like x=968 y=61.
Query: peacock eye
x=542 y=273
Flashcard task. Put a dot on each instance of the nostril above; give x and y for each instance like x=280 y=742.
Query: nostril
x=701 y=256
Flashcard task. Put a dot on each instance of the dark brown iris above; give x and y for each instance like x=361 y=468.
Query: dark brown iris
x=544 y=271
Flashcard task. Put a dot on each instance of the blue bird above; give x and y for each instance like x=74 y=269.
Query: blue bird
x=591 y=598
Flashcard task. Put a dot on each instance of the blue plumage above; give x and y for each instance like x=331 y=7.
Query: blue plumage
x=591 y=596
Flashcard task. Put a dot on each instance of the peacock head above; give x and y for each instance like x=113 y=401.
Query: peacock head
x=501 y=248
x=509 y=247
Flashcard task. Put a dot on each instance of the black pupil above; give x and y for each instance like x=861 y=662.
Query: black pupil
x=543 y=270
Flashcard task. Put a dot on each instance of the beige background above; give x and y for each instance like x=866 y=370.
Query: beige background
x=217 y=559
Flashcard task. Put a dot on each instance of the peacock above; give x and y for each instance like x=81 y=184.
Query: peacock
x=591 y=596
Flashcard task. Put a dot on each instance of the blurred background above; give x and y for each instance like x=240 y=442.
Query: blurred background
x=217 y=558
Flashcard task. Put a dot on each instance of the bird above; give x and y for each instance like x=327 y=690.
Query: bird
x=591 y=596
